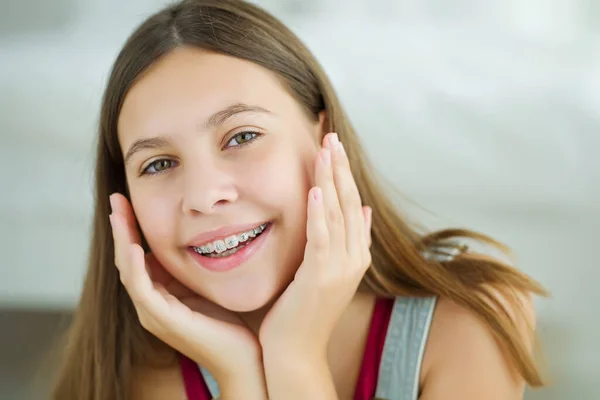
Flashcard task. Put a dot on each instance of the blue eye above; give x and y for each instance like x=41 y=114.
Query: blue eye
x=242 y=139
x=158 y=166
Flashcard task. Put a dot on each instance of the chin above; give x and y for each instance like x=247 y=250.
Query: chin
x=247 y=300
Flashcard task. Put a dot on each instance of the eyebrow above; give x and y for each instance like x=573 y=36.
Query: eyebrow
x=217 y=119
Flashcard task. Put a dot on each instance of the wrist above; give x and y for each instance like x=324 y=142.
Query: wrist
x=248 y=384
x=287 y=358
x=242 y=379
x=292 y=378
x=295 y=369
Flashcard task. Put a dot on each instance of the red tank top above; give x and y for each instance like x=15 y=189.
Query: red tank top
x=196 y=388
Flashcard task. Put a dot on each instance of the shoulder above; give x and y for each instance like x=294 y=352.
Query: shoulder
x=158 y=383
x=463 y=360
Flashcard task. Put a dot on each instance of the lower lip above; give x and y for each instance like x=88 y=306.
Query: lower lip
x=236 y=259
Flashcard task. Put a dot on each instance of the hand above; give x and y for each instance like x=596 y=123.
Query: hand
x=336 y=257
x=203 y=331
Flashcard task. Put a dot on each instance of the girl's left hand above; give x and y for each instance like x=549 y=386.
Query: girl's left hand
x=336 y=257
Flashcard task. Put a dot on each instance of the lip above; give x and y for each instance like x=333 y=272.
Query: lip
x=236 y=259
x=221 y=233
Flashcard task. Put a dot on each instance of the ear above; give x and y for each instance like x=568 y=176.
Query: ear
x=323 y=125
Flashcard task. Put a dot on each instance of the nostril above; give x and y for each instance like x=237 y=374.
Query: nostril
x=220 y=203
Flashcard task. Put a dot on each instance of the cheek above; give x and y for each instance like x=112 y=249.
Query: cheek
x=154 y=214
x=281 y=178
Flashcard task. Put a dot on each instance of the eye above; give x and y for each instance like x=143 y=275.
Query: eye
x=158 y=166
x=242 y=139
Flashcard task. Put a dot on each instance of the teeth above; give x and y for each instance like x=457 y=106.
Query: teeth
x=231 y=241
x=207 y=248
x=220 y=246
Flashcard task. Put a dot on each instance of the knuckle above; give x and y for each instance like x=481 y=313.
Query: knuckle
x=356 y=201
x=134 y=294
x=321 y=243
x=132 y=297
x=334 y=216
x=368 y=260
x=144 y=322
x=326 y=281
x=350 y=194
x=147 y=322
x=123 y=279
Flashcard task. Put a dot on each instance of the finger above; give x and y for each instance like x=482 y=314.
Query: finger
x=349 y=200
x=318 y=239
x=125 y=259
x=148 y=293
x=333 y=213
x=326 y=143
x=368 y=213
x=140 y=284
x=121 y=205
x=159 y=275
x=120 y=245
x=158 y=309
x=367 y=258
x=124 y=231
x=151 y=300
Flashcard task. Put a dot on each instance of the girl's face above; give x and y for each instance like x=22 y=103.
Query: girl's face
x=215 y=146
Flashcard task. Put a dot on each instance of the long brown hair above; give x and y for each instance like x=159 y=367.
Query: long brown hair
x=106 y=340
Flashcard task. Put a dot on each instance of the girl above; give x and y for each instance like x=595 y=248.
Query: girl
x=241 y=248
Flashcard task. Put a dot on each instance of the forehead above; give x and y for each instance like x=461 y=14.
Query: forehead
x=187 y=85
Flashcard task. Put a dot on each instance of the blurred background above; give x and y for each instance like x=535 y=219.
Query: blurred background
x=485 y=113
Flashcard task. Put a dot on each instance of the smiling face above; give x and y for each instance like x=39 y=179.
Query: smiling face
x=214 y=145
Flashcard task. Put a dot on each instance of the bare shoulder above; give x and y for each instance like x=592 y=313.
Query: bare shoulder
x=464 y=361
x=158 y=383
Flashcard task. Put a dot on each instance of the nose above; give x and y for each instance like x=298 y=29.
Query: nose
x=208 y=187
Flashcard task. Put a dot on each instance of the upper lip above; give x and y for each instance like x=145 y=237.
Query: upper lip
x=221 y=233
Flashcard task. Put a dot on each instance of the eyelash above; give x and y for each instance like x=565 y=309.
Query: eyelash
x=255 y=133
x=153 y=163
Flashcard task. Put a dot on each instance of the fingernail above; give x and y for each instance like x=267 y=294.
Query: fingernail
x=112 y=206
x=326 y=156
x=317 y=194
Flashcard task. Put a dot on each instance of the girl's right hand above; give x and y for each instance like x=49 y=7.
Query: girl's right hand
x=203 y=331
